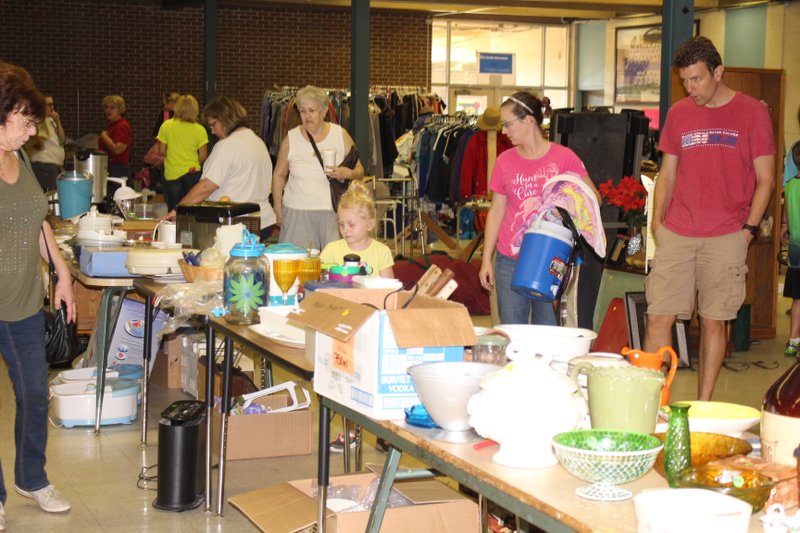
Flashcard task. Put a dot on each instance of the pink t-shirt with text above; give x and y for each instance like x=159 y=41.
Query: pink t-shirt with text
x=521 y=181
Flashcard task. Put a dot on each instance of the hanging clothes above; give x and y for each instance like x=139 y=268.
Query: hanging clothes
x=473 y=179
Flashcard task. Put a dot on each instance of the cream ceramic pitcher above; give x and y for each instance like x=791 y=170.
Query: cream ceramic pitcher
x=622 y=398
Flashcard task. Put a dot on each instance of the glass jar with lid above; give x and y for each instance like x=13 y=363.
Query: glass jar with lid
x=246 y=273
x=491 y=348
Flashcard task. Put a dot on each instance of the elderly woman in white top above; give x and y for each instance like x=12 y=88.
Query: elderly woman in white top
x=304 y=208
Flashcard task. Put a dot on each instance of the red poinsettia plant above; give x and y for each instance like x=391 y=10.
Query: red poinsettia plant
x=630 y=196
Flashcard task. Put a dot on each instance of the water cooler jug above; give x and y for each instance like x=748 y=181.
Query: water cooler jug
x=181 y=456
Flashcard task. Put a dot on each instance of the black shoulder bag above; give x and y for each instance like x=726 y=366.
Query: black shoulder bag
x=61 y=341
x=338 y=187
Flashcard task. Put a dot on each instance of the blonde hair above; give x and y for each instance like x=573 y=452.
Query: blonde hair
x=186 y=108
x=117 y=101
x=358 y=198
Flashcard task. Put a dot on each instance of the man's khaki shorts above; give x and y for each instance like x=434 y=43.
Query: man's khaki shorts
x=713 y=267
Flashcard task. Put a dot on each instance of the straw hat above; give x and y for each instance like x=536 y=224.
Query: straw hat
x=490 y=120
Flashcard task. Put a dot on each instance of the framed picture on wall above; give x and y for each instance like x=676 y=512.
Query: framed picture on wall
x=636 y=313
x=637 y=64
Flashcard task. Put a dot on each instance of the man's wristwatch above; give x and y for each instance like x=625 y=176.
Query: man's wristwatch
x=752 y=229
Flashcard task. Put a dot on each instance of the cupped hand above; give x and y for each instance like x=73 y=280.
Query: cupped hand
x=339 y=173
x=486 y=275
x=63 y=293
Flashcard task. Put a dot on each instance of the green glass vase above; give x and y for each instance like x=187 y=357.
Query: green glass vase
x=677 y=444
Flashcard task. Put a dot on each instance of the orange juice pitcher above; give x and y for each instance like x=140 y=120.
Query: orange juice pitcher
x=654 y=361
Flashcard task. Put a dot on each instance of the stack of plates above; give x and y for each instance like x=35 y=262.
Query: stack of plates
x=95 y=238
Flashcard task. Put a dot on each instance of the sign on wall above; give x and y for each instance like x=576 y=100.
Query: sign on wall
x=495 y=63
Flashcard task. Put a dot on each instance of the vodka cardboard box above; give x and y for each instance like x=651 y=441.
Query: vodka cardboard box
x=365 y=339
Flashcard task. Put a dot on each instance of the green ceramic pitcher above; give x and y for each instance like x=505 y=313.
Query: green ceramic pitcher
x=622 y=398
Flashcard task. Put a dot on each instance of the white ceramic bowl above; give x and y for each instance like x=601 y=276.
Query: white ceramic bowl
x=445 y=388
x=720 y=417
x=690 y=511
x=560 y=343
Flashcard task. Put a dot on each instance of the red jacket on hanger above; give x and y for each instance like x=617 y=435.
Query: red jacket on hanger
x=473 y=180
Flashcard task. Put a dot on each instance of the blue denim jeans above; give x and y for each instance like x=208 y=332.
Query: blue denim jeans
x=515 y=308
x=175 y=190
x=22 y=346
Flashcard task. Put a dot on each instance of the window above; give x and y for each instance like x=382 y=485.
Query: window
x=539 y=56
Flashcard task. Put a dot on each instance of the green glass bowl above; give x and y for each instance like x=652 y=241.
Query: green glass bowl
x=606 y=456
x=755 y=488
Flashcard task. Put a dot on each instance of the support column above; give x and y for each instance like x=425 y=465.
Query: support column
x=676 y=26
x=359 y=78
x=209 y=50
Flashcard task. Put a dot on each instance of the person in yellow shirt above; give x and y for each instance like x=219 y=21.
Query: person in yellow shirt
x=357 y=218
x=184 y=142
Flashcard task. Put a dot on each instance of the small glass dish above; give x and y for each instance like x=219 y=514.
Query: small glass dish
x=747 y=485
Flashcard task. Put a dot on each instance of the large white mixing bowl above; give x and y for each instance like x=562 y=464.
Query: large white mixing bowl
x=445 y=388
x=560 y=343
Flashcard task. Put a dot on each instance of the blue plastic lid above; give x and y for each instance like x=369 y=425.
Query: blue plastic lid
x=285 y=248
x=249 y=247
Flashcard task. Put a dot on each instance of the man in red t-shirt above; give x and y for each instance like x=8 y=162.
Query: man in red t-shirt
x=716 y=179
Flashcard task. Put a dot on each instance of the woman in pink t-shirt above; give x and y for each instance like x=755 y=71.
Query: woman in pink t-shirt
x=517 y=181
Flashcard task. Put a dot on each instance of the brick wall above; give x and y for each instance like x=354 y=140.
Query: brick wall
x=80 y=51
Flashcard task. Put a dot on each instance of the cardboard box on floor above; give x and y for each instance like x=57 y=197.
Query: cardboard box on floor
x=87 y=300
x=361 y=354
x=267 y=435
x=166 y=370
x=238 y=384
x=291 y=508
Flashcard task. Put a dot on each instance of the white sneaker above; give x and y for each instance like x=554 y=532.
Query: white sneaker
x=48 y=498
x=2 y=518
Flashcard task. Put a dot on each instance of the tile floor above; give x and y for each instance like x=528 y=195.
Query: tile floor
x=98 y=474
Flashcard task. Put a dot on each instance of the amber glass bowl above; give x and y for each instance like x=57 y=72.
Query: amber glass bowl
x=707 y=447
x=747 y=485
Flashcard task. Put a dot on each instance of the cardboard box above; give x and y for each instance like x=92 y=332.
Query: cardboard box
x=291 y=508
x=88 y=302
x=361 y=354
x=167 y=366
x=242 y=381
x=267 y=435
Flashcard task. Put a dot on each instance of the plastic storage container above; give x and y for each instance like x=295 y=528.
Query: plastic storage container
x=246 y=274
x=73 y=403
x=490 y=349
x=74 y=194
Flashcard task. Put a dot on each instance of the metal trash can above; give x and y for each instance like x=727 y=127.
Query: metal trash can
x=181 y=456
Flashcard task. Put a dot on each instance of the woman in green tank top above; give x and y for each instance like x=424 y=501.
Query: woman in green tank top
x=25 y=238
